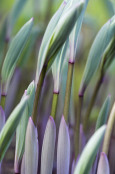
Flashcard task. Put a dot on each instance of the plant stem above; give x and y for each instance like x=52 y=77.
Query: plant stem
x=68 y=90
x=109 y=129
x=77 y=128
x=37 y=94
x=3 y=100
x=54 y=104
x=94 y=96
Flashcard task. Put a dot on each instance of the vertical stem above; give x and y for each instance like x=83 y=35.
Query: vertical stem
x=3 y=100
x=94 y=96
x=37 y=94
x=68 y=90
x=54 y=104
x=77 y=128
x=109 y=129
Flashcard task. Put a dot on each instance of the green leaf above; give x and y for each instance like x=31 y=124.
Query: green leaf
x=88 y=155
x=104 y=112
x=28 y=51
x=21 y=129
x=48 y=147
x=20 y=140
x=109 y=56
x=64 y=28
x=31 y=149
x=59 y=35
x=76 y=31
x=10 y=127
x=57 y=67
x=49 y=30
x=14 y=52
x=103 y=166
x=99 y=45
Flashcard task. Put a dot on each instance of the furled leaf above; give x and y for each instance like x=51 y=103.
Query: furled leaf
x=63 y=149
x=2 y=118
x=36 y=31
x=99 y=45
x=31 y=148
x=57 y=67
x=50 y=28
x=88 y=155
x=109 y=56
x=104 y=112
x=59 y=35
x=63 y=29
x=76 y=31
x=48 y=147
x=21 y=129
x=14 y=51
x=10 y=127
x=103 y=166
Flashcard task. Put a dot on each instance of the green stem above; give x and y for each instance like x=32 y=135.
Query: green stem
x=108 y=132
x=37 y=94
x=77 y=128
x=54 y=104
x=94 y=96
x=3 y=100
x=68 y=90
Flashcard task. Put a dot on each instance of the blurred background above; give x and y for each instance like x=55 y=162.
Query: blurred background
x=13 y=15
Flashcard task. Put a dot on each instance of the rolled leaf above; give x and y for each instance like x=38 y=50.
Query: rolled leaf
x=63 y=29
x=36 y=32
x=63 y=149
x=14 y=51
x=99 y=45
x=76 y=31
x=57 y=67
x=10 y=127
x=50 y=28
x=21 y=129
x=31 y=148
x=103 y=166
x=2 y=118
x=59 y=35
x=104 y=112
x=48 y=147
x=89 y=153
x=109 y=56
